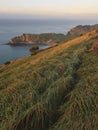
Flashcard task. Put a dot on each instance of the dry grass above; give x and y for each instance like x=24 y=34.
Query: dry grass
x=55 y=89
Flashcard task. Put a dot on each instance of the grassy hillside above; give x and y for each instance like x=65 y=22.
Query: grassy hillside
x=56 y=89
x=81 y=29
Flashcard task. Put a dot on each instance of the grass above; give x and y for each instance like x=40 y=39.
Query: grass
x=80 y=111
x=55 y=89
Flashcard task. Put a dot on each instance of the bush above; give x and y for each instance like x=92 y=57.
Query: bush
x=94 y=48
x=34 y=49
x=8 y=62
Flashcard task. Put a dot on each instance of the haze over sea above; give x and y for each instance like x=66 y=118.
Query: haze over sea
x=14 y=27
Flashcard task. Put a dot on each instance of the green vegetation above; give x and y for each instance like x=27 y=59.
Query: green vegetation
x=57 y=38
x=56 y=89
x=34 y=49
x=45 y=38
x=7 y=62
x=81 y=29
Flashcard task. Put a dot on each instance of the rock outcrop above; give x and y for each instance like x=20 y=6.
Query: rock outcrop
x=46 y=38
x=79 y=30
x=51 y=38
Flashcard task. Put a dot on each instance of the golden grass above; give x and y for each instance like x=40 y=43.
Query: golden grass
x=55 y=89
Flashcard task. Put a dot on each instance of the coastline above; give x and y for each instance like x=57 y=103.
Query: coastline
x=44 y=39
x=22 y=48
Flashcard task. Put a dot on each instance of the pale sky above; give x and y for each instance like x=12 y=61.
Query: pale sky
x=49 y=8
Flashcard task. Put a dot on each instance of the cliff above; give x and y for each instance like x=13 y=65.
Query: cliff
x=79 y=30
x=51 y=38
x=46 y=38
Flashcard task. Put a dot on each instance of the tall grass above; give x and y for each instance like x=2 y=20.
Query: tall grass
x=57 y=92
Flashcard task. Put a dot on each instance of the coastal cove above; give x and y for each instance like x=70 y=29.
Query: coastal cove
x=12 y=28
x=8 y=52
x=48 y=65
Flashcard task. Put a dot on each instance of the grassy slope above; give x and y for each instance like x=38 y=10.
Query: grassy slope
x=57 y=89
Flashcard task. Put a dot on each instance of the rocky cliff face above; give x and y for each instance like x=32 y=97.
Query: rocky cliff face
x=51 y=38
x=79 y=30
x=46 y=38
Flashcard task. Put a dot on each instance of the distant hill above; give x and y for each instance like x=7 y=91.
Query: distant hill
x=56 y=89
x=45 y=38
x=80 y=29
x=51 y=38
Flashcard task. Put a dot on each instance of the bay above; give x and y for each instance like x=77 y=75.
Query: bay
x=10 y=28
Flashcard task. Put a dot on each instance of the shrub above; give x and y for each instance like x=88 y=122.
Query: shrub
x=34 y=48
x=8 y=62
x=94 y=48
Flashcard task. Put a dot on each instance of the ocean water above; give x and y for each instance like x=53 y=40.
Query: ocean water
x=12 y=28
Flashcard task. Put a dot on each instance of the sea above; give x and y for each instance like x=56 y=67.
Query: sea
x=10 y=28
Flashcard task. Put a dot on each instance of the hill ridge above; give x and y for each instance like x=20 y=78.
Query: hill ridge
x=55 y=89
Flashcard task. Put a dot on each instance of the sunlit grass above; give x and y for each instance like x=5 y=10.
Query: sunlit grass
x=55 y=89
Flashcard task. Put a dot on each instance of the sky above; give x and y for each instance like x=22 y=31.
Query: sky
x=49 y=8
